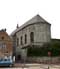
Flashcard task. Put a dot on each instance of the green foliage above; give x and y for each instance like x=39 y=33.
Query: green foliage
x=53 y=47
x=37 y=51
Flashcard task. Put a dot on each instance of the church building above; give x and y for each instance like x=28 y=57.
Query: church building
x=34 y=33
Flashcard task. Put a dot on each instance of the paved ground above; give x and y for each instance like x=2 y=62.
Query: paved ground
x=34 y=66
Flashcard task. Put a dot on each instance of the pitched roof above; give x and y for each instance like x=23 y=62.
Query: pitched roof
x=35 y=19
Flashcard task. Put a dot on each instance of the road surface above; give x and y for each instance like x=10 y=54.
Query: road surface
x=35 y=66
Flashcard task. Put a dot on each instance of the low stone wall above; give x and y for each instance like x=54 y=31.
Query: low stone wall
x=44 y=59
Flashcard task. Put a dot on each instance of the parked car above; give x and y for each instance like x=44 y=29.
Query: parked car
x=6 y=62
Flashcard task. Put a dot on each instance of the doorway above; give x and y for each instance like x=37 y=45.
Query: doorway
x=18 y=57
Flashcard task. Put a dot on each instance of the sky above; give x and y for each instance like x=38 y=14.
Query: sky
x=13 y=12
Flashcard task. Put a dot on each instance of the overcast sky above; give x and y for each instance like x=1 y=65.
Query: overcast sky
x=20 y=11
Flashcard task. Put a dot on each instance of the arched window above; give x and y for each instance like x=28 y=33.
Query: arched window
x=2 y=37
x=21 y=40
x=25 y=38
x=17 y=41
x=32 y=36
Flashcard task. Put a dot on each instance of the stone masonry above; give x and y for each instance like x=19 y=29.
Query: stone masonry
x=41 y=34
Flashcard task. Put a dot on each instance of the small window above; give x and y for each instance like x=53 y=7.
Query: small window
x=2 y=46
x=25 y=38
x=2 y=38
x=21 y=40
x=32 y=36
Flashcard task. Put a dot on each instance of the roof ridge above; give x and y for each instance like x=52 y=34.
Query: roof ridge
x=36 y=19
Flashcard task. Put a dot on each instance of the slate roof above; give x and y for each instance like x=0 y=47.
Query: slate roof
x=35 y=19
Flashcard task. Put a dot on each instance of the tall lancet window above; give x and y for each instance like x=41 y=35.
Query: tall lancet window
x=25 y=38
x=17 y=41
x=21 y=40
x=32 y=37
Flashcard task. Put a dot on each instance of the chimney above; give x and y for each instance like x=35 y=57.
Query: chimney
x=17 y=26
x=5 y=29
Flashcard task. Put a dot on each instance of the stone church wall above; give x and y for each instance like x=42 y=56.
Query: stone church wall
x=41 y=33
